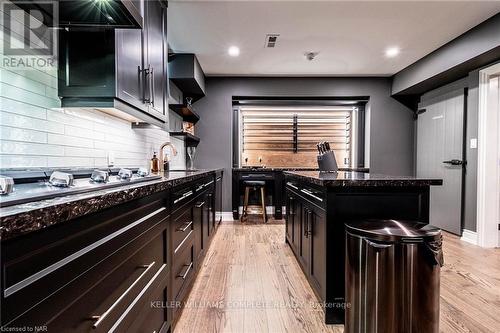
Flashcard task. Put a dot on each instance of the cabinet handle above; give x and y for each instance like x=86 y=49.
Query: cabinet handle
x=103 y=316
x=139 y=296
x=152 y=78
x=199 y=205
x=292 y=186
x=309 y=222
x=306 y=223
x=309 y=193
x=183 y=276
x=186 y=226
x=184 y=196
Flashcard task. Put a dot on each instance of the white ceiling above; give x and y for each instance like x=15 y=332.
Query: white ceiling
x=350 y=36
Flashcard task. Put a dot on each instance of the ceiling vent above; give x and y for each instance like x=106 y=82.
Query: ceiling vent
x=271 y=40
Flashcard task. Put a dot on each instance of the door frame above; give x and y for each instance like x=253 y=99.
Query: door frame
x=488 y=190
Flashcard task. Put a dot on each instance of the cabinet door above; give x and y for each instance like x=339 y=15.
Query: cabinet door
x=211 y=208
x=289 y=219
x=206 y=222
x=198 y=226
x=130 y=73
x=154 y=58
x=317 y=225
x=305 y=241
x=297 y=225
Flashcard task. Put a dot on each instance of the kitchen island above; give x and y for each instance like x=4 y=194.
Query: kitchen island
x=319 y=203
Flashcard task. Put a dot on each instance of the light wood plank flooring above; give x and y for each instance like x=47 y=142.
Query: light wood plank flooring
x=251 y=282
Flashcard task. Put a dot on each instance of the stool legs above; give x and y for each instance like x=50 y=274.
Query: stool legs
x=263 y=200
x=245 y=204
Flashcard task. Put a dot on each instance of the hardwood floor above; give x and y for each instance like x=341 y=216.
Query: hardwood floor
x=251 y=282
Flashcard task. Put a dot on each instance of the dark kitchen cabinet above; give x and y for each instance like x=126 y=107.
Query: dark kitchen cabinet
x=306 y=234
x=317 y=239
x=122 y=69
x=104 y=266
x=305 y=240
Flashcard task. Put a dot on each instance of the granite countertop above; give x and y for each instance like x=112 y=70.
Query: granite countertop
x=294 y=169
x=356 y=179
x=20 y=219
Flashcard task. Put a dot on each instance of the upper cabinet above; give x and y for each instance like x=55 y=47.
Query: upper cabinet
x=121 y=70
x=185 y=71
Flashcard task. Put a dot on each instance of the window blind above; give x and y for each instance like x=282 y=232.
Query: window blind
x=281 y=136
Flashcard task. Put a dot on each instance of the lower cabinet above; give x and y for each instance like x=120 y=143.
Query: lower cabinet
x=306 y=235
x=123 y=269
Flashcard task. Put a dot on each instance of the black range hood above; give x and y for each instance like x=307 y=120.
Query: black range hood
x=88 y=13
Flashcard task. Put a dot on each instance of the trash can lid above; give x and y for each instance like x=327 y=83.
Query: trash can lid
x=392 y=230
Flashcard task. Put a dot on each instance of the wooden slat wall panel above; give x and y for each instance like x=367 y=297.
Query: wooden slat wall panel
x=267 y=134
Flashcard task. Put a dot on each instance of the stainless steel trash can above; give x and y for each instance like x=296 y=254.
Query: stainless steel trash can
x=392 y=276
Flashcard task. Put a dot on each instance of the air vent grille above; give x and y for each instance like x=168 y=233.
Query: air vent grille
x=271 y=40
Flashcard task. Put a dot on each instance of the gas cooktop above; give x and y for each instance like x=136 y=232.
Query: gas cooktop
x=41 y=185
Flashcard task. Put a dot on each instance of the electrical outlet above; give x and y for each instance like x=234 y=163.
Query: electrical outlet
x=111 y=158
x=473 y=143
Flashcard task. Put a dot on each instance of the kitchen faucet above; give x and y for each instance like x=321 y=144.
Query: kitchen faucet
x=162 y=156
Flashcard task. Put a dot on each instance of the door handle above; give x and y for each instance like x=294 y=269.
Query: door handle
x=454 y=162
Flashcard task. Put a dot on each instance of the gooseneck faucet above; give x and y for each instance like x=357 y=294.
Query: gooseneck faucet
x=161 y=157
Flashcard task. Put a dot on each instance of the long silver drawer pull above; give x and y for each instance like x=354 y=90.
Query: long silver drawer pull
x=100 y=318
x=55 y=266
x=199 y=188
x=210 y=182
x=186 y=227
x=134 y=302
x=184 y=196
x=180 y=245
x=292 y=186
x=311 y=195
x=218 y=179
x=200 y=204
x=183 y=276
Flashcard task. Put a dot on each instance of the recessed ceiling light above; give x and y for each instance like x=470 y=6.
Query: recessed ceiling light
x=233 y=51
x=391 y=52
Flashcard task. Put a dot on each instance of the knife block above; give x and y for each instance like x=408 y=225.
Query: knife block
x=327 y=162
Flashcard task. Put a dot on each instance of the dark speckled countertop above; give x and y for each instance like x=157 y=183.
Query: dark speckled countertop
x=23 y=218
x=357 y=179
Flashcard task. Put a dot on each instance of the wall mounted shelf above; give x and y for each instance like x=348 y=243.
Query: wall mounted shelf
x=186 y=112
x=190 y=139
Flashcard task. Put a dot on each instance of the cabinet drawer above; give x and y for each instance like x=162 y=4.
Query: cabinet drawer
x=182 y=227
x=61 y=263
x=99 y=299
x=182 y=272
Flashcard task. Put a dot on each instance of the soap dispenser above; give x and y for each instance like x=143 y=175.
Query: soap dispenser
x=155 y=163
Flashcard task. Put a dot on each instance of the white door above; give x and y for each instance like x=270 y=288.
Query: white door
x=440 y=135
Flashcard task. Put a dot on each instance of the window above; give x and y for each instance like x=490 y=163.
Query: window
x=287 y=136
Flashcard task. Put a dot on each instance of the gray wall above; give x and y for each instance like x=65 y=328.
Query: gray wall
x=475 y=42
x=391 y=129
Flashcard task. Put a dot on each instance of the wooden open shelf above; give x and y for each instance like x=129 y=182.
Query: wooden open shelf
x=186 y=112
x=190 y=139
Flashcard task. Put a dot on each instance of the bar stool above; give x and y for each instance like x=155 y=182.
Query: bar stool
x=255 y=186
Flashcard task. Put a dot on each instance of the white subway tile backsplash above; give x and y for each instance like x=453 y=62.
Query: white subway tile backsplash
x=15 y=120
x=70 y=162
x=66 y=140
x=60 y=116
x=19 y=134
x=20 y=161
x=22 y=108
x=21 y=148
